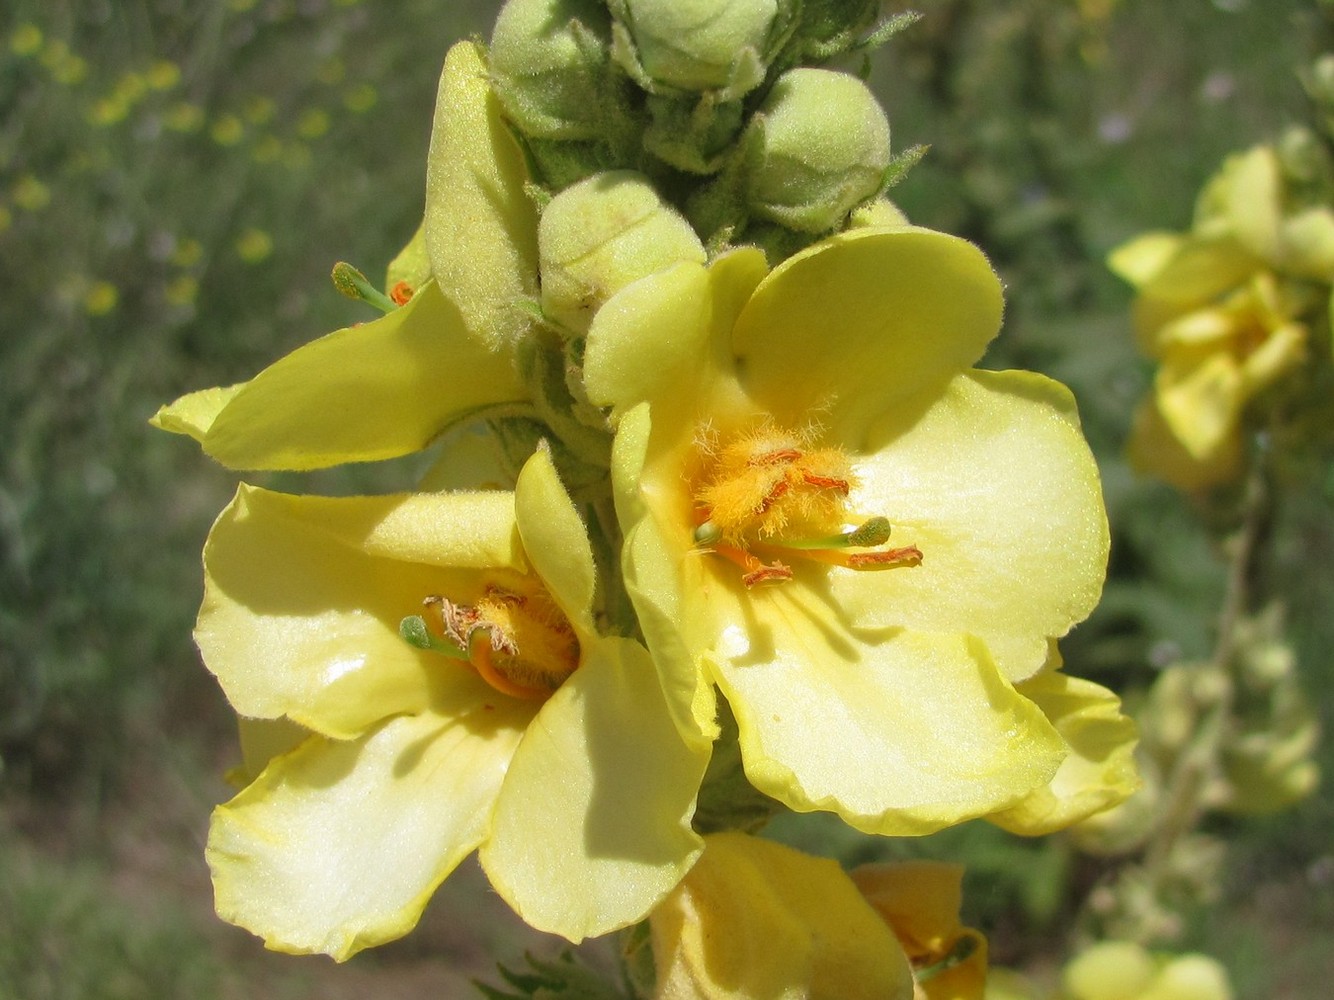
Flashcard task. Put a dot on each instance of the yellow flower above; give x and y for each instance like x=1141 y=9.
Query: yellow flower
x=391 y=386
x=1224 y=309
x=772 y=431
x=757 y=920
x=540 y=743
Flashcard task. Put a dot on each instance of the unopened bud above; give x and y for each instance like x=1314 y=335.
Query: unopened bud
x=819 y=147
x=1110 y=970
x=597 y=236
x=695 y=45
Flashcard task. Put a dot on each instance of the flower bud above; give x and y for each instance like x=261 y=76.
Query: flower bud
x=601 y=234
x=818 y=148
x=1190 y=977
x=548 y=63
x=695 y=45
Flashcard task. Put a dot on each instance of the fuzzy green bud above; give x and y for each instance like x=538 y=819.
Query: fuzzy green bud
x=1109 y=970
x=695 y=45
x=548 y=64
x=818 y=148
x=597 y=236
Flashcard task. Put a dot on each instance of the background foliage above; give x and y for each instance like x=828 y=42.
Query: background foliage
x=176 y=180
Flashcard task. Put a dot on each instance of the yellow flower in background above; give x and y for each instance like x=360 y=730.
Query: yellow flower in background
x=254 y=245
x=859 y=540
x=1123 y=970
x=540 y=743
x=754 y=920
x=100 y=298
x=1225 y=310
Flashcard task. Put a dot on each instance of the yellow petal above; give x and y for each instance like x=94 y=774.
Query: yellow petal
x=375 y=391
x=1100 y=771
x=996 y=485
x=900 y=733
x=1200 y=396
x=665 y=338
x=1154 y=449
x=303 y=597
x=651 y=567
x=481 y=226
x=592 y=826
x=863 y=320
x=758 y=921
x=193 y=414
x=337 y=846
x=555 y=539
x=1138 y=260
x=262 y=740
x=1308 y=244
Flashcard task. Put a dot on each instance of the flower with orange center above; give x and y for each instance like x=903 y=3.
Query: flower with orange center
x=860 y=541
x=499 y=720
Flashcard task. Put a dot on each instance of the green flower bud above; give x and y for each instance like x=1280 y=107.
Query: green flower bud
x=695 y=45
x=818 y=148
x=601 y=234
x=548 y=65
x=1190 y=977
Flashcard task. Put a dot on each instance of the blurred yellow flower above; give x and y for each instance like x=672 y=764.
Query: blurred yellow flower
x=227 y=130
x=1225 y=309
x=100 y=298
x=25 y=40
x=181 y=291
x=259 y=110
x=188 y=253
x=163 y=74
x=1122 y=970
x=183 y=117
x=771 y=431
x=30 y=194
x=537 y=741
x=254 y=245
x=313 y=123
x=361 y=98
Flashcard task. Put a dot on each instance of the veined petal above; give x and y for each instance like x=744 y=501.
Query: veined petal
x=592 y=826
x=863 y=320
x=303 y=596
x=996 y=485
x=481 y=226
x=337 y=846
x=755 y=920
x=1100 y=771
x=379 y=390
x=193 y=414
x=556 y=539
x=900 y=733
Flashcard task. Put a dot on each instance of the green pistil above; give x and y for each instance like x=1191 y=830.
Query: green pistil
x=874 y=532
x=352 y=283
x=962 y=951
x=414 y=631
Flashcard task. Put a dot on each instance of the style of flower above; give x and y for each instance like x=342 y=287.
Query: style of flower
x=521 y=732
x=756 y=919
x=391 y=386
x=1225 y=310
x=772 y=432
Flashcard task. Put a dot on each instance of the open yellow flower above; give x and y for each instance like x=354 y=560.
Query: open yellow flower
x=546 y=745
x=391 y=386
x=755 y=920
x=1224 y=309
x=772 y=430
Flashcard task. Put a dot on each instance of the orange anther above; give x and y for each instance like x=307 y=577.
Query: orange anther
x=776 y=457
x=401 y=293
x=780 y=489
x=909 y=555
x=777 y=573
x=826 y=482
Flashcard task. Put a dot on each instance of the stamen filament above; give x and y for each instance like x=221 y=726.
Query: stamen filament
x=756 y=571
x=874 y=532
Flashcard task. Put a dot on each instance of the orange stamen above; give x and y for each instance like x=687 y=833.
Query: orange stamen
x=826 y=483
x=401 y=293
x=756 y=571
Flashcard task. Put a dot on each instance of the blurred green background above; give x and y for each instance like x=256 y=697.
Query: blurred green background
x=176 y=180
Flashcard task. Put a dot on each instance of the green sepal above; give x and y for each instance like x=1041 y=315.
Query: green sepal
x=562 y=978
